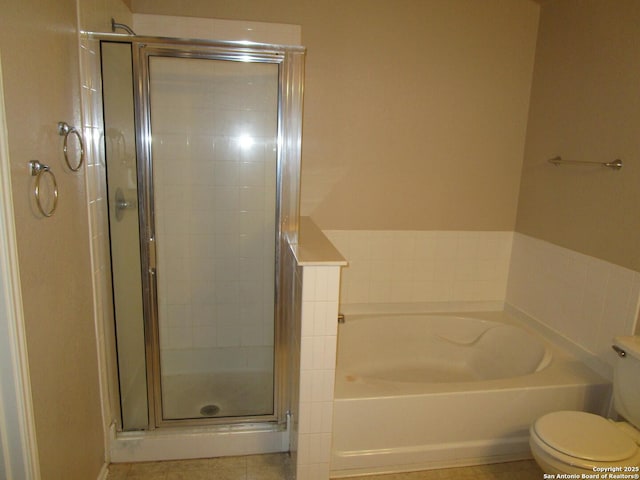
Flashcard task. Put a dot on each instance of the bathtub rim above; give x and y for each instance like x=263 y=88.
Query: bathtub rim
x=445 y=329
x=563 y=360
x=555 y=338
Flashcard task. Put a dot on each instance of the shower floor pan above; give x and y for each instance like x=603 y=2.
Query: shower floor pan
x=215 y=395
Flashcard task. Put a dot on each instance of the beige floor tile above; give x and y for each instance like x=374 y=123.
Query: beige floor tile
x=229 y=468
x=279 y=467
x=268 y=460
x=118 y=471
x=494 y=476
x=147 y=467
x=528 y=475
x=228 y=462
x=147 y=476
x=509 y=467
x=269 y=467
x=461 y=472
x=117 y=476
x=119 y=468
x=229 y=475
x=188 y=465
x=423 y=475
x=267 y=475
x=388 y=476
x=192 y=474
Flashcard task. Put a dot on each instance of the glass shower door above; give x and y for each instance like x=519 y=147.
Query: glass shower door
x=212 y=211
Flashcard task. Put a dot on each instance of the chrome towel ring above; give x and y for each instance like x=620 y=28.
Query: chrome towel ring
x=37 y=169
x=64 y=130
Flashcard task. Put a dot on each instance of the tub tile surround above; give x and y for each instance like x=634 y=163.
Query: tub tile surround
x=579 y=300
x=423 y=266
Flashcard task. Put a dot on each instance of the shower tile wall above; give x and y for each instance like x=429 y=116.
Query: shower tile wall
x=215 y=237
x=423 y=266
x=98 y=222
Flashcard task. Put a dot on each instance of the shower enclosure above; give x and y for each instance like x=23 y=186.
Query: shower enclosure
x=201 y=146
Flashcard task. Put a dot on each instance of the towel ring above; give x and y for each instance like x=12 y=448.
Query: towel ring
x=64 y=130
x=38 y=170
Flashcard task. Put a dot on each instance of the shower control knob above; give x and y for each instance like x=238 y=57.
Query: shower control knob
x=122 y=204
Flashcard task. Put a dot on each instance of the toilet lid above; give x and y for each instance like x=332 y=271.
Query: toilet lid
x=584 y=435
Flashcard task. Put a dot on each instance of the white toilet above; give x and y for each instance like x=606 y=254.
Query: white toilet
x=580 y=442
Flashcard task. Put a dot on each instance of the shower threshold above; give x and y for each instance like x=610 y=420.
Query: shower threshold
x=183 y=443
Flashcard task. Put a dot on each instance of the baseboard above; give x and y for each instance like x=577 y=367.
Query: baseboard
x=104 y=471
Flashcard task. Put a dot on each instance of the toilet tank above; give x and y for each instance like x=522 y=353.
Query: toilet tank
x=626 y=387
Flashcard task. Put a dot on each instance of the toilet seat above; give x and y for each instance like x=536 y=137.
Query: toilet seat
x=583 y=440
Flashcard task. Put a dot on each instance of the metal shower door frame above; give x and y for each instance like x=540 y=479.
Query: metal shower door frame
x=289 y=61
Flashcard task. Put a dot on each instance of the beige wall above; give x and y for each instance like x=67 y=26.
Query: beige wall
x=415 y=110
x=39 y=48
x=585 y=105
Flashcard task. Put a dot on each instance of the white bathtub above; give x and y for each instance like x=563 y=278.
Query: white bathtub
x=438 y=390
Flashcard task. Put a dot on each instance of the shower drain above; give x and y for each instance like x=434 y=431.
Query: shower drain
x=209 y=410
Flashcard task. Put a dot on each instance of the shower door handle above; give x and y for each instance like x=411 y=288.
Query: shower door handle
x=152 y=341
x=152 y=256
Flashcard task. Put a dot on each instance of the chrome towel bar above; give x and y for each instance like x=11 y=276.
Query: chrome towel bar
x=615 y=165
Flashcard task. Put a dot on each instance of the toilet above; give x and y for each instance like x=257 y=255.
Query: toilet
x=569 y=442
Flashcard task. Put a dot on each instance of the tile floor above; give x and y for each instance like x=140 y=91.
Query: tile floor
x=253 y=467
x=277 y=467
